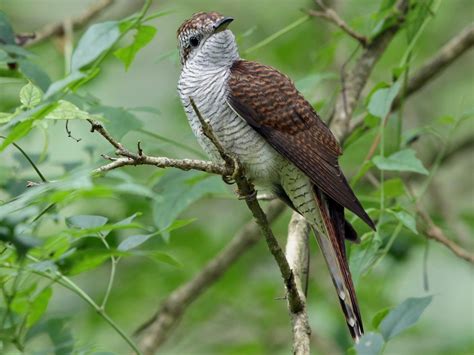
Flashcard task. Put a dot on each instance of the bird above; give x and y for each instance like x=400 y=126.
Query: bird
x=260 y=118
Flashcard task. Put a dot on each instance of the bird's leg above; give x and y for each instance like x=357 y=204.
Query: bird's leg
x=233 y=165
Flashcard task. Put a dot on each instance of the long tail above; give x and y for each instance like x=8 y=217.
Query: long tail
x=331 y=242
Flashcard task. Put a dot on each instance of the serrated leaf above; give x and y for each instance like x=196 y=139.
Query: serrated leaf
x=403 y=316
x=86 y=221
x=38 y=306
x=408 y=220
x=381 y=100
x=403 y=160
x=30 y=95
x=97 y=39
x=370 y=344
x=143 y=36
x=68 y=111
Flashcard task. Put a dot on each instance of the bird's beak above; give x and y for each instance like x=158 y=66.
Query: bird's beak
x=221 y=25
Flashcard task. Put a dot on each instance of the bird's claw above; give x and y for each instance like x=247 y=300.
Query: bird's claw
x=249 y=197
x=228 y=179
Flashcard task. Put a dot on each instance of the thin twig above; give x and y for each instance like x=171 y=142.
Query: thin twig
x=57 y=29
x=332 y=16
x=432 y=231
x=128 y=158
x=154 y=332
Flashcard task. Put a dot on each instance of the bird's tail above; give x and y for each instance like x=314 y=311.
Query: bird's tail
x=331 y=241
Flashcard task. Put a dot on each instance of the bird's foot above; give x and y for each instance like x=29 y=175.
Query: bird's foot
x=251 y=196
x=236 y=171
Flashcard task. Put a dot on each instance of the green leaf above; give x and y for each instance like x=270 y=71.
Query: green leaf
x=134 y=241
x=392 y=188
x=18 y=132
x=38 y=306
x=97 y=39
x=61 y=336
x=61 y=84
x=178 y=190
x=34 y=73
x=6 y=31
x=85 y=221
x=379 y=316
x=30 y=95
x=403 y=316
x=68 y=111
x=403 y=160
x=84 y=260
x=6 y=117
x=370 y=344
x=143 y=36
x=364 y=255
x=381 y=100
x=163 y=258
x=120 y=121
x=408 y=220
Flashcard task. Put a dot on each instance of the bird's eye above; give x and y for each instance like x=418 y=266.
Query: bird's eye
x=194 y=41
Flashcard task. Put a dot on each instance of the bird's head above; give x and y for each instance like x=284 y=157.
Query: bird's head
x=206 y=34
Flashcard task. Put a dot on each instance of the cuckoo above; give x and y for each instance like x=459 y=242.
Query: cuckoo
x=261 y=119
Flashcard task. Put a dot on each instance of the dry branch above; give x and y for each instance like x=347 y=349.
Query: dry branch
x=155 y=332
x=128 y=158
x=297 y=253
x=432 y=231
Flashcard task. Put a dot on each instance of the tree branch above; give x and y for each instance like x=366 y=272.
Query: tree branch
x=432 y=231
x=357 y=78
x=297 y=253
x=128 y=158
x=451 y=51
x=448 y=54
x=155 y=332
x=332 y=16
x=57 y=29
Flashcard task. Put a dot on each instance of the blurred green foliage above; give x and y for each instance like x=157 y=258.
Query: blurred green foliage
x=84 y=258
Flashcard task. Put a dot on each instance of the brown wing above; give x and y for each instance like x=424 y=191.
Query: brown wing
x=270 y=103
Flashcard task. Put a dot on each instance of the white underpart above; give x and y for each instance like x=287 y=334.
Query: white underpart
x=205 y=78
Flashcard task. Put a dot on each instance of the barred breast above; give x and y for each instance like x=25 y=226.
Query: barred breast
x=209 y=89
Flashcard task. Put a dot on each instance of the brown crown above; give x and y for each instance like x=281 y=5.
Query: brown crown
x=200 y=20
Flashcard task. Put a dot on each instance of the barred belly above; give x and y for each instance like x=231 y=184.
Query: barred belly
x=208 y=88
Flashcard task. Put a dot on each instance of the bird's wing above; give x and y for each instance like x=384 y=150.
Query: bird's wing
x=270 y=103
